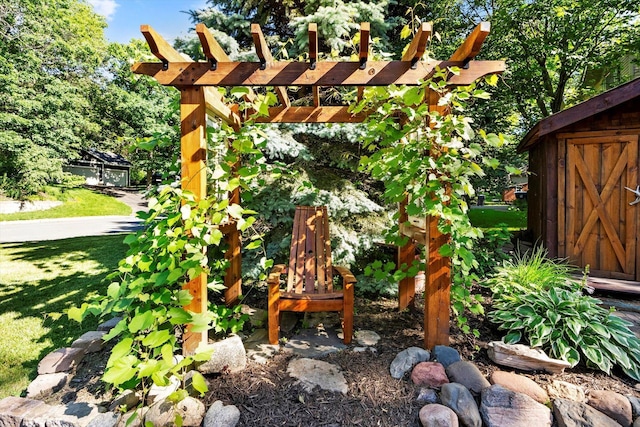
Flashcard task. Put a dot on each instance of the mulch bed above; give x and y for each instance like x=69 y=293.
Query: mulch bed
x=267 y=396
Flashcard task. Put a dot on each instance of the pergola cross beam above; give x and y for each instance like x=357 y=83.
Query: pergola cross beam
x=219 y=71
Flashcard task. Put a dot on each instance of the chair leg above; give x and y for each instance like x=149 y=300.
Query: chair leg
x=347 y=322
x=274 y=314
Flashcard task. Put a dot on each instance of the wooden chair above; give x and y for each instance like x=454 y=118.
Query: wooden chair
x=310 y=284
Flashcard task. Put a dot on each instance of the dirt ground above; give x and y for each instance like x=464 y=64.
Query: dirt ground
x=267 y=396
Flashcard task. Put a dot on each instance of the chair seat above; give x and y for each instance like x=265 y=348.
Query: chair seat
x=299 y=296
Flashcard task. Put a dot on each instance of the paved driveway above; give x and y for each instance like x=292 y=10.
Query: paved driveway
x=63 y=228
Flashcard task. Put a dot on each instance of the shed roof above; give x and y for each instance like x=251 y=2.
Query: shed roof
x=107 y=157
x=584 y=110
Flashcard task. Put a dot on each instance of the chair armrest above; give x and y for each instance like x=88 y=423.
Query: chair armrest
x=347 y=276
x=276 y=272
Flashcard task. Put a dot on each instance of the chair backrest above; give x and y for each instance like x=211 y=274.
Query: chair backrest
x=310 y=269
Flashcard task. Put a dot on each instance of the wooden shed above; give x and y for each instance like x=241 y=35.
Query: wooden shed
x=583 y=183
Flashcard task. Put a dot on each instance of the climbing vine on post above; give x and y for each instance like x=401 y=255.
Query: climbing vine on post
x=427 y=159
x=182 y=239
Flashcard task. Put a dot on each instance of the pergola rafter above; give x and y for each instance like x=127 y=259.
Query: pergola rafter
x=196 y=80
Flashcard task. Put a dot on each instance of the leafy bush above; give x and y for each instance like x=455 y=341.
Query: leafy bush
x=537 y=300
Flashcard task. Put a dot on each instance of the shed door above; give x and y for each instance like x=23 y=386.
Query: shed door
x=601 y=228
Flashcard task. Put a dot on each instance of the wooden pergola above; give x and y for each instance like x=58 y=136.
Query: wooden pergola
x=196 y=80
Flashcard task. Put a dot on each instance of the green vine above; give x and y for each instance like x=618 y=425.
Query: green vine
x=429 y=158
x=182 y=239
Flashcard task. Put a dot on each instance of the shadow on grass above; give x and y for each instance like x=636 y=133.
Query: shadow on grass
x=49 y=277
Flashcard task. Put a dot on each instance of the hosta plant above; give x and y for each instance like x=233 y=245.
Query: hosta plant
x=537 y=301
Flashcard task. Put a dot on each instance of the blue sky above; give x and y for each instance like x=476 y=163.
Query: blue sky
x=124 y=17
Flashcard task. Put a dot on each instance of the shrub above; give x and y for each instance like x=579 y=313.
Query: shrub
x=536 y=300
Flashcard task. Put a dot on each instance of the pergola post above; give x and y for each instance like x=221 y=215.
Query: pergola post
x=193 y=152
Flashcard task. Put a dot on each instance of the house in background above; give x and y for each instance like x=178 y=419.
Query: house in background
x=583 y=166
x=101 y=168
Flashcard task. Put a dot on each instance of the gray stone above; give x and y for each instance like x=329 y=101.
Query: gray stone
x=570 y=413
x=46 y=384
x=314 y=343
x=288 y=321
x=257 y=316
x=109 y=324
x=459 y=399
x=564 y=390
x=133 y=418
x=127 y=399
x=311 y=373
x=445 y=355
x=326 y=319
x=635 y=405
x=406 y=360
x=61 y=360
x=105 y=419
x=636 y=423
x=430 y=374
x=523 y=357
x=14 y=409
x=220 y=415
x=157 y=393
x=427 y=395
x=90 y=341
x=258 y=347
x=504 y=408
x=520 y=384
x=435 y=415
x=228 y=355
x=163 y=413
x=367 y=338
x=612 y=404
x=22 y=412
x=467 y=374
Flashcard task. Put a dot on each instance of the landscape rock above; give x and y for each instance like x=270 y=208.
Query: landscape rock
x=257 y=316
x=157 y=393
x=258 y=347
x=228 y=355
x=288 y=321
x=46 y=384
x=635 y=405
x=613 y=405
x=524 y=357
x=220 y=415
x=127 y=399
x=367 y=338
x=427 y=395
x=163 y=413
x=570 y=413
x=133 y=418
x=23 y=412
x=109 y=324
x=636 y=423
x=467 y=374
x=430 y=374
x=520 y=384
x=406 y=360
x=105 y=419
x=316 y=342
x=90 y=341
x=61 y=360
x=500 y=407
x=459 y=399
x=311 y=373
x=445 y=355
x=326 y=319
x=436 y=415
x=564 y=390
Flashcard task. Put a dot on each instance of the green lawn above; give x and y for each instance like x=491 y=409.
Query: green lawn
x=76 y=202
x=490 y=218
x=41 y=278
